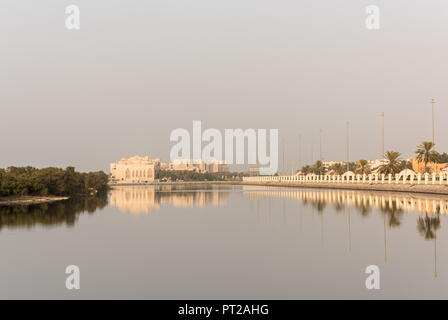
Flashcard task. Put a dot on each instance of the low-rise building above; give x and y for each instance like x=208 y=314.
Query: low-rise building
x=421 y=167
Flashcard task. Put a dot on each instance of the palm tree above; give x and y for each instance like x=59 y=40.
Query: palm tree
x=319 y=168
x=338 y=168
x=426 y=153
x=392 y=165
x=362 y=167
x=306 y=169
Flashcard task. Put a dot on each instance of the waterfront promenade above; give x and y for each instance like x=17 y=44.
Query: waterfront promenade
x=428 y=184
x=418 y=183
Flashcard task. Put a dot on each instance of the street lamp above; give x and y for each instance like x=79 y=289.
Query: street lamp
x=300 y=151
x=320 y=146
x=348 y=145
x=382 y=135
x=433 y=101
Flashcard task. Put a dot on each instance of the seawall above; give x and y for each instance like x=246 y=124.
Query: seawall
x=414 y=188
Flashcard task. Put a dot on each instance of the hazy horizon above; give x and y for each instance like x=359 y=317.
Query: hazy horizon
x=136 y=71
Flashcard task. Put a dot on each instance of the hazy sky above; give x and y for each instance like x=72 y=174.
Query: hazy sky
x=139 y=69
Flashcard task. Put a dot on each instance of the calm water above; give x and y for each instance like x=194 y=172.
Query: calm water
x=222 y=242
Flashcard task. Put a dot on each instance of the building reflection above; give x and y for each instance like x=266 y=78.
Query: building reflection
x=143 y=199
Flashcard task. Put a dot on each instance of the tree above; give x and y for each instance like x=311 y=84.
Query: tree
x=443 y=158
x=338 y=168
x=426 y=153
x=319 y=168
x=50 y=181
x=405 y=165
x=392 y=165
x=362 y=167
x=306 y=170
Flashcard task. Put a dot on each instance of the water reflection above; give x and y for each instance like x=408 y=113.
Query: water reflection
x=427 y=227
x=219 y=234
x=391 y=205
x=50 y=214
x=143 y=199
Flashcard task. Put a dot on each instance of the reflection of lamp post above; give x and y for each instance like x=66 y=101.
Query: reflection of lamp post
x=435 y=255
x=385 y=245
x=284 y=212
x=349 y=230
x=322 y=228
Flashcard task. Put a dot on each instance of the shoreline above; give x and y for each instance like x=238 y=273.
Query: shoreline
x=402 y=188
x=29 y=200
x=174 y=183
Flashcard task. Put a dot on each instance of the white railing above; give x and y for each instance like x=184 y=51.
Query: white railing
x=376 y=178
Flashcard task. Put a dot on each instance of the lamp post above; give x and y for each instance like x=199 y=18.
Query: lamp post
x=382 y=135
x=320 y=146
x=312 y=154
x=433 y=101
x=300 y=151
x=348 y=145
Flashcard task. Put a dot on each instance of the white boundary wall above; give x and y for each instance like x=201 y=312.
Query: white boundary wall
x=418 y=179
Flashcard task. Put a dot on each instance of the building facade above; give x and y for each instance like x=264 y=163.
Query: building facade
x=133 y=170
x=217 y=167
x=421 y=167
x=142 y=169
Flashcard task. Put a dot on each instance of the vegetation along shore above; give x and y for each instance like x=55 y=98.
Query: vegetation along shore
x=28 y=185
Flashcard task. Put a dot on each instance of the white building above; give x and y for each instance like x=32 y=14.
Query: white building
x=133 y=170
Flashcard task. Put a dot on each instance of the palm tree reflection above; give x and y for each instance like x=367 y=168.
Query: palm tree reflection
x=392 y=206
x=427 y=227
x=393 y=212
